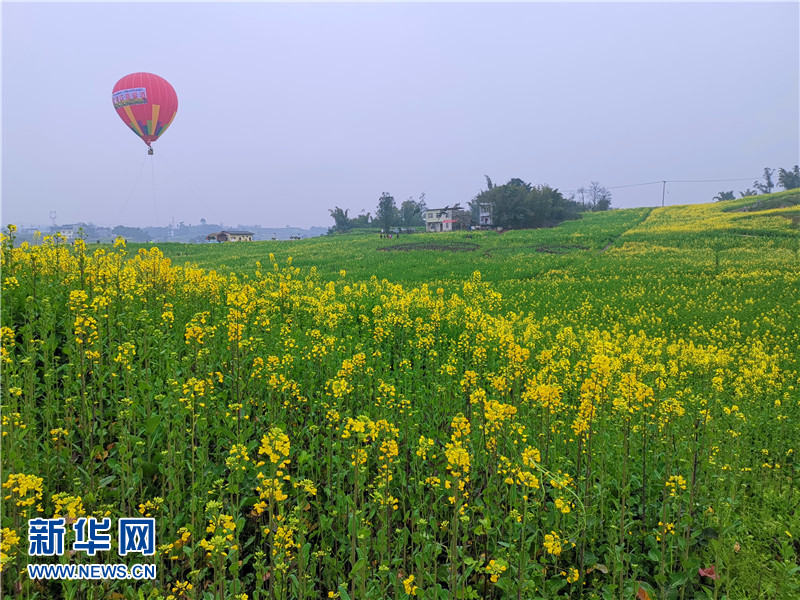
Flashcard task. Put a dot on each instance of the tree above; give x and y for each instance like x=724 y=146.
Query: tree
x=508 y=204
x=724 y=196
x=748 y=192
x=599 y=198
x=461 y=217
x=386 y=215
x=411 y=212
x=580 y=195
x=362 y=220
x=766 y=187
x=475 y=204
x=132 y=234
x=541 y=207
x=342 y=223
x=520 y=205
x=789 y=180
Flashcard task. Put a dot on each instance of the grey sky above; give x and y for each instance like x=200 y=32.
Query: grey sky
x=287 y=110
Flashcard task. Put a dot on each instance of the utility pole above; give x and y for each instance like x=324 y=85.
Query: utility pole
x=663 y=191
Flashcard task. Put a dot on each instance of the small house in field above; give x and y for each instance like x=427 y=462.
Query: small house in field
x=69 y=231
x=485 y=218
x=446 y=219
x=231 y=236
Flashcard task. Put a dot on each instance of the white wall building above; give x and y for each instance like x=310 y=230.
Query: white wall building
x=485 y=219
x=68 y=231
x=442 y=219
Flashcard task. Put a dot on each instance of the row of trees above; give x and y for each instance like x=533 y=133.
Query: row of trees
x=387 y=215
x=788 y=180
x=516 y=204
x=520 y=205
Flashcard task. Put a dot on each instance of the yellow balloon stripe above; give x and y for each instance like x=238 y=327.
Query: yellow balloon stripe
x=134 y=124
x=154 y=122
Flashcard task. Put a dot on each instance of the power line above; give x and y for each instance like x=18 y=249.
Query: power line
x=633 y=185
x=621 y=186
x=665 y=181
x=679 y=181
x=707 y=180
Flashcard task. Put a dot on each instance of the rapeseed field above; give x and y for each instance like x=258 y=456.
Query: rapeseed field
x=606 y=409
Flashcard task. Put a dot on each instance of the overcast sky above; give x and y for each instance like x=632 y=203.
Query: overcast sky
x=287 y=110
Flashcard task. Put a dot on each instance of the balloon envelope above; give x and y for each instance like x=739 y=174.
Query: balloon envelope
x=146 y=103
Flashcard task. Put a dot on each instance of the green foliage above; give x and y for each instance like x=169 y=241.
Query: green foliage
x=722 y=196
x=386 y=215
x=789 y=180
x=671 y=332
x=520 y=205
x=748 y=204
x=412 y=211
x=766 y=187
x=342 y=223
x=133 y=234
x=341 y=220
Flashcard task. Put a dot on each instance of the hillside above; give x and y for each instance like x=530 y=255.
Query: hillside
x=682 y=232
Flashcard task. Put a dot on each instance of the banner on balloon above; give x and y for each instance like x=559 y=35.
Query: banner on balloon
x=130 y=97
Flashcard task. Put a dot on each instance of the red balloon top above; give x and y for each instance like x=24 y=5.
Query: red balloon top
x=146 y=103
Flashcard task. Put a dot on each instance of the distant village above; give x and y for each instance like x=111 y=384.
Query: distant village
x=513 y=205
x=204 y=233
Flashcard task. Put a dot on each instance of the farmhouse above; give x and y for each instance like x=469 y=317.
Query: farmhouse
x=69 y=231
x=485 y=215
x=449 y=218
x=231 y=236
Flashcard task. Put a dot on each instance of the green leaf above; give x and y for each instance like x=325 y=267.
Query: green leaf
x=678 y=579
x=360 y=564
x=249 y=501
x=554 y=585
x=149 y=469
x=691 y=564
x=151 y=424
x=305 y=552
x=710 y=533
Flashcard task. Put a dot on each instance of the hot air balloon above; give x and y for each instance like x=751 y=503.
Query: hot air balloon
x=146 y=103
